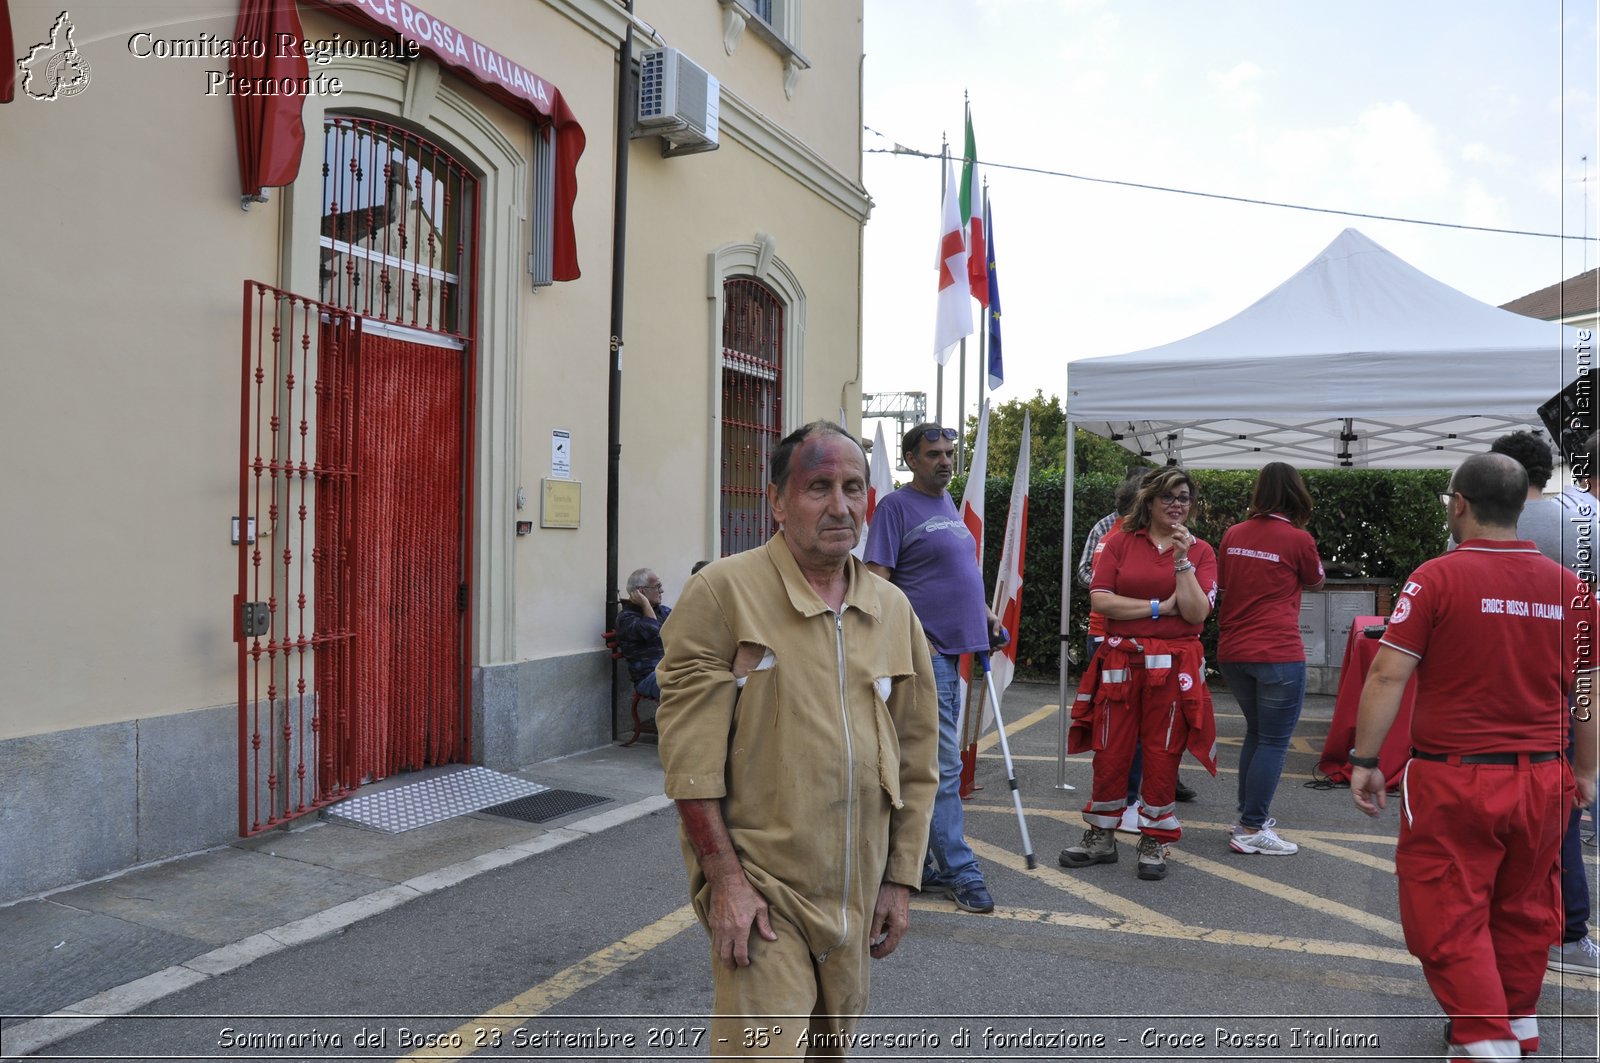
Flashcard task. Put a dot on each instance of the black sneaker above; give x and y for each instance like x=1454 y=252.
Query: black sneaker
x=973 y=898
x=1184 y=793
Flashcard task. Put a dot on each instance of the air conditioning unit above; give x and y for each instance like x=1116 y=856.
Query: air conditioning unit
x=678 y=102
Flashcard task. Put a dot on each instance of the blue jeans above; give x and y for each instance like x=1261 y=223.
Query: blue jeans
x=1270 y=696
x=950 y=860
x=648 y=686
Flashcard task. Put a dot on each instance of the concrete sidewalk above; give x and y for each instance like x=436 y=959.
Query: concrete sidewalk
x=109 y=947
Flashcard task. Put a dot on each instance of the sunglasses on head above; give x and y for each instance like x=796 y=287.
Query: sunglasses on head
x=933 y=435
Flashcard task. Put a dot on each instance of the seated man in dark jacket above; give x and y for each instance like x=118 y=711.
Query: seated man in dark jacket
x=639 y=630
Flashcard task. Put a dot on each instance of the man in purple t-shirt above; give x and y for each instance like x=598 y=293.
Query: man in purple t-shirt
x=917 y=542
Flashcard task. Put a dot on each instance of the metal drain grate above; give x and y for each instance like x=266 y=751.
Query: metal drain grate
x=536 y=808
x=455 y=793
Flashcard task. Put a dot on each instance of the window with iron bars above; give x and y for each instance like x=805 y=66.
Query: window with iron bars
x=752 y=408
x=396 y=215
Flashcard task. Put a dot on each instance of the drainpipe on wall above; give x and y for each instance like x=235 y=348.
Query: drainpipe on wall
x=861 y=257
x=619 y=247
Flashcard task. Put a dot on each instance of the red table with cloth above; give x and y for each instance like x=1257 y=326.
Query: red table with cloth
x=1359 y=651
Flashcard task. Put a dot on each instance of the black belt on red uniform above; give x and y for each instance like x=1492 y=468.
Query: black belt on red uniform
x=1486 y=758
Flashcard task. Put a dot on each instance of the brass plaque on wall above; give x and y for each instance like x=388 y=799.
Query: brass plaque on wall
x=559 y=504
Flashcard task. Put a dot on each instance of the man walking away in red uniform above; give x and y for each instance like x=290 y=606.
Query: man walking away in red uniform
x=1498 y=636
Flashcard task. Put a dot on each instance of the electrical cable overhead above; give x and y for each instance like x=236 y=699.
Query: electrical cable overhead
x=901 y=149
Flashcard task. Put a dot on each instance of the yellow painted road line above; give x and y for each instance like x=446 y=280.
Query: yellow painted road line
x=1317 y=845
x=992 y=739
x=1272 y=888
x=1170 y=931
x=1067 y=882
x=558 y=987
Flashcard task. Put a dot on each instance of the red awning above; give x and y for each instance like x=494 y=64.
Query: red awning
x=501 y=77
x=8 y=57
x=268 y=127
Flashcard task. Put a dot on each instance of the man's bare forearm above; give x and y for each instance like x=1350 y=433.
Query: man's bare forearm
x=708 y=835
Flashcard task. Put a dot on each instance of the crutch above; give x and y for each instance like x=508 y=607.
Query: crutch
x=1005 y=751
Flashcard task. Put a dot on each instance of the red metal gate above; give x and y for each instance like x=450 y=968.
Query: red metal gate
x=295 y=611
x=351 y=609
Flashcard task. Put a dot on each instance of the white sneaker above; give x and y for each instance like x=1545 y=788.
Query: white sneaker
x=1264 y=841
x=1130 y=820
x=1576 y=957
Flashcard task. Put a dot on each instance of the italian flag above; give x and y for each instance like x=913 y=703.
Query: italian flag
x=972 y=221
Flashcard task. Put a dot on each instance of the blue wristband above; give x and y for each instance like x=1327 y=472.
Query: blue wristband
x=1155 y=609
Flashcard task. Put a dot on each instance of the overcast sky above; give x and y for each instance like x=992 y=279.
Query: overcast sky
x=1475 y=112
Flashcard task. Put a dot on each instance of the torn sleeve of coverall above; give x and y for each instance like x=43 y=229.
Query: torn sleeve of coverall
x=914 y=708
x=698 y=695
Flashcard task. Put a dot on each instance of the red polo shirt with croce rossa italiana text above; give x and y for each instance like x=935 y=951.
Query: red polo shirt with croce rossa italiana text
x=1261 y=567
x=1496 y=627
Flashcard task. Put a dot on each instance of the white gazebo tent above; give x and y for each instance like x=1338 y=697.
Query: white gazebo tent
x=1359 y=360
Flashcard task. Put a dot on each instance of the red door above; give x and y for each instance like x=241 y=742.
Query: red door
x=408 y=574
x=351 y=613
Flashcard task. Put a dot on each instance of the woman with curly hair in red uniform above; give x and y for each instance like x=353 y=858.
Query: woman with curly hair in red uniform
x=1155 y=584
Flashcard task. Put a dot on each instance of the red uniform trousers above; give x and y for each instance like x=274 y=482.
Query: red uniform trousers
x=1156 y=708
x=1478 y=867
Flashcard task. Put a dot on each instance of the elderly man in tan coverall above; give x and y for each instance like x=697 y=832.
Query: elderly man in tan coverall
x=799 y=733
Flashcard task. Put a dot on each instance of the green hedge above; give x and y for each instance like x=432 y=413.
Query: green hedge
x=1380 y=524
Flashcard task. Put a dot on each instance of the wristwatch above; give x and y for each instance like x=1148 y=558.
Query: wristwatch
x=1361 y=762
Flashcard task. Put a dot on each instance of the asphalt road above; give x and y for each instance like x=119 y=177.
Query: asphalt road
x=588 y=951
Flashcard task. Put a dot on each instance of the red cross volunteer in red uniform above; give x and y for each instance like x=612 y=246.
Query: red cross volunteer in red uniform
x=1155 y=584
x=1498 y=635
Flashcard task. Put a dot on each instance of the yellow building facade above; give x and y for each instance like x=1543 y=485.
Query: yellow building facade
x=441 y=490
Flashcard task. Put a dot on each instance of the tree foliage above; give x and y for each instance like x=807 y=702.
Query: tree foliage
x=1048 y=445
x=1374 y=524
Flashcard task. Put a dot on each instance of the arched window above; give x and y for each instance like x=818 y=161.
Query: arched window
x=752 y=408
x=397 y=215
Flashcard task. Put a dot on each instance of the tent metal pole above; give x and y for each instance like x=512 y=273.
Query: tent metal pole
x=1068 y=476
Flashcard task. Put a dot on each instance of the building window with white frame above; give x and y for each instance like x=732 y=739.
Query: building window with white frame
x=752 y=408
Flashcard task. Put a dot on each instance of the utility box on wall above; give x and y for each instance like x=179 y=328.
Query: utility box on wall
x=1325 y=619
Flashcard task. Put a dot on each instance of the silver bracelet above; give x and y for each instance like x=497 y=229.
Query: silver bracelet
x=1184 y=566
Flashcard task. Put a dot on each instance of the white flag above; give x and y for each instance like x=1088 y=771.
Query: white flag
x=880 y=482
x=954 y=320
x=1008 y=585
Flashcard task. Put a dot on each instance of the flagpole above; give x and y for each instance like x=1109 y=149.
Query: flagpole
x=961 y=412
x=961 y=388
x=944 y=171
